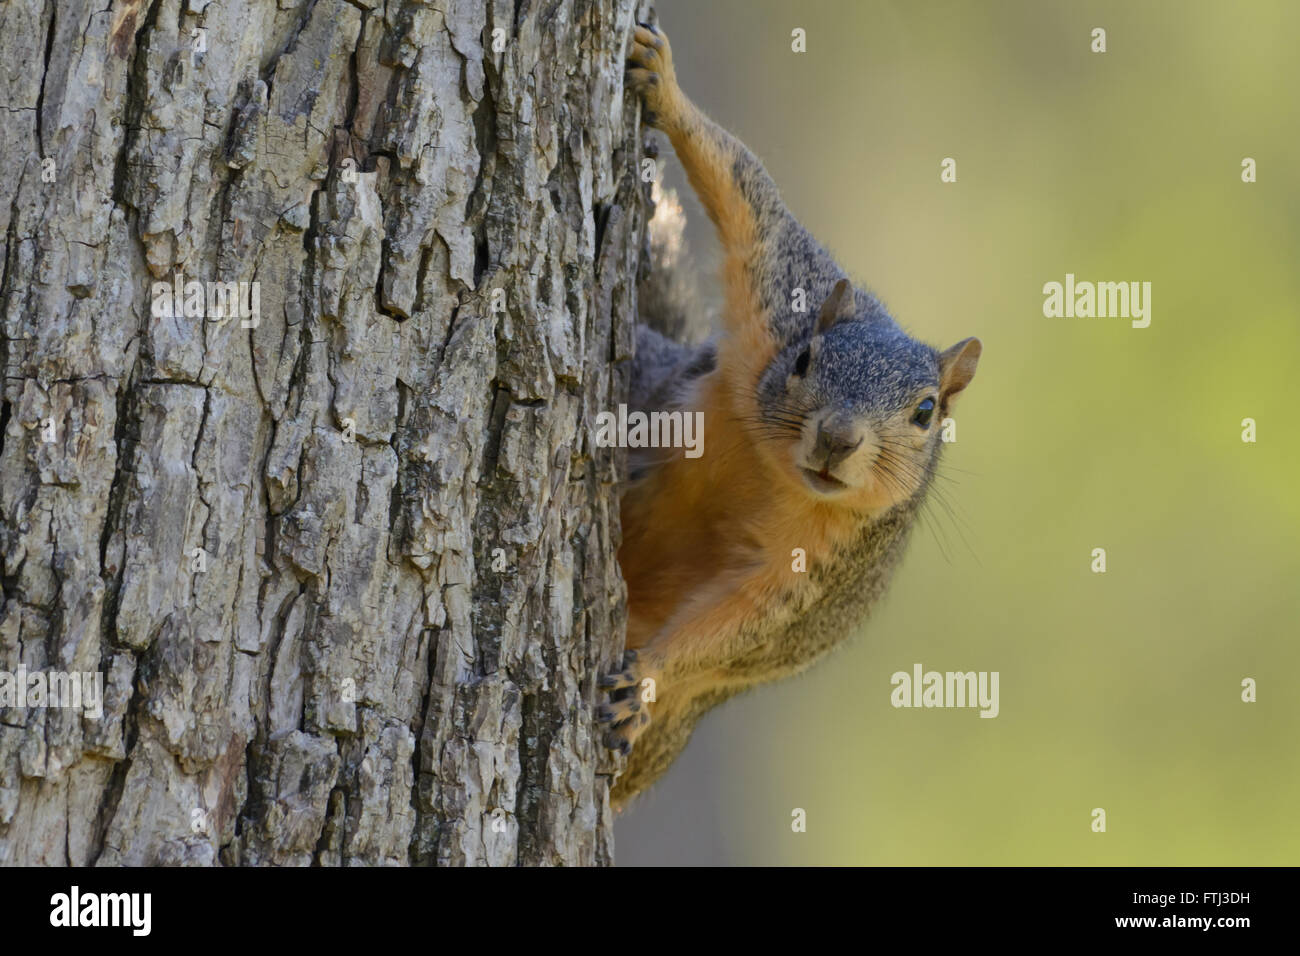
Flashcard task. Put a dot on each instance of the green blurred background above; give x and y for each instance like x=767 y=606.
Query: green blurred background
x=1119 y=690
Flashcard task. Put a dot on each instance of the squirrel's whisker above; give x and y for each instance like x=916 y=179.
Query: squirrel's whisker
x=729 y=602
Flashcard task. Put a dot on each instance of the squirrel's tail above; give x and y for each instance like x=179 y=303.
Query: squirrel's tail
x=672 y=350
x=669 y=298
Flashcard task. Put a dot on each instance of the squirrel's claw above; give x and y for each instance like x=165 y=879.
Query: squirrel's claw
x=650 y=72
x=618 y=713
x=614 y=742
x=616 y=681
x=624 y=713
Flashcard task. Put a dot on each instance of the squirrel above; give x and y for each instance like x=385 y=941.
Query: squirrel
x=821 y=436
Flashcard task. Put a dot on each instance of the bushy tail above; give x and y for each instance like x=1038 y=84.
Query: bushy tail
x=669 y=297
x=672 y=346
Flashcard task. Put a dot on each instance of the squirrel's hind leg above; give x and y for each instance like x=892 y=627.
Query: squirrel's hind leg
x=625 y=712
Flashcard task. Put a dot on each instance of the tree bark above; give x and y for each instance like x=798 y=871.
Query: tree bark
x=347 y=568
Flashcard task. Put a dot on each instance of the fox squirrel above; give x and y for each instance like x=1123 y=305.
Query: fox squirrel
x=821 y=436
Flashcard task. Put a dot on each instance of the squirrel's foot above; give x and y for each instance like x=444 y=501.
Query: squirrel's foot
x=627 y=712
x=650 y=73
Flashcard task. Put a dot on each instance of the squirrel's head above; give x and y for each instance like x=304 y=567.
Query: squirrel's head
x=854 y=413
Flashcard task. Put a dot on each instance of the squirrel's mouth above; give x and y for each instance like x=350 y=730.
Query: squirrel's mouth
x=822 y=482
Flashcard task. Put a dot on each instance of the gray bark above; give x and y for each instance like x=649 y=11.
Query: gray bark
x=349 y=672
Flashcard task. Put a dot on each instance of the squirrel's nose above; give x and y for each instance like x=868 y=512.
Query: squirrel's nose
x=837 y=438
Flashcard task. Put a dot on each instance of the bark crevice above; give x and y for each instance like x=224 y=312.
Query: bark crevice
x=346 y=571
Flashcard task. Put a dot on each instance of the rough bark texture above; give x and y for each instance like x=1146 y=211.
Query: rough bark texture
x=356 y=675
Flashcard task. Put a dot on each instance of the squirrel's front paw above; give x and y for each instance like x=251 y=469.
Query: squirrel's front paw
x=627 y=712
x=650 y=74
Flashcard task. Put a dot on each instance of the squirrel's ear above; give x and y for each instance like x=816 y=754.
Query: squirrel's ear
x=839 y=305
x=957 y=366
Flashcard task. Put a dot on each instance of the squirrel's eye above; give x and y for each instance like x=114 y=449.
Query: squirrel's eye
x=801 y=363
x=924 y=412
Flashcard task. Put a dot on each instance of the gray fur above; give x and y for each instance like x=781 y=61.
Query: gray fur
x=663 y=368
x=867 y=366
x=864 y=368
x=661 y=378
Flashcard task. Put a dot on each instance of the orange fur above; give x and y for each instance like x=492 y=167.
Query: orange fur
x=715 y=603
x=708 y=527
x=699 y=550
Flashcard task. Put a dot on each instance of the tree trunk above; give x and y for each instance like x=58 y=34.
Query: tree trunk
x=345 y=563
